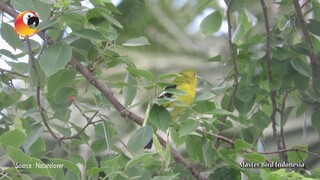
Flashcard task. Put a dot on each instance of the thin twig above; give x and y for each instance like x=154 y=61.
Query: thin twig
x=89 y=122
x=40 y=108
x=304 y=4
x=13 y=72
x=305 y=32
x=269 y=67
x=288 y=150
x=233 y=54
x=282 y=110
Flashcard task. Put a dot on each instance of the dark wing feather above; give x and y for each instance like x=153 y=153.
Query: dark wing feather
x=166 y=94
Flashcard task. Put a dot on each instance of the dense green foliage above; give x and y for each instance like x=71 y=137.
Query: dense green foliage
x=70 y=111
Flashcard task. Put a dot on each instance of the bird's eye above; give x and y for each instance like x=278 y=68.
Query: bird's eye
x=26 y=17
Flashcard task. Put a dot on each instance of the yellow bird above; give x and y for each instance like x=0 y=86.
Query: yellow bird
x=186 y=82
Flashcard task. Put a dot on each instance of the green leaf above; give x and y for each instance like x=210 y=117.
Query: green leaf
x=178 y=92
x=316 y=11
x=204 y=107
x=36 y=72
x=245 y=94
x=188 y=127
x=160 y=117
x=35 y=46
x=129 y=90
x=167 y=155
x=243 y=107
x=33 y=134
x=240 y=144
x=63 y=94
x=18 y=124
x=313 y=26
x=137 y=159
x=267 y=175
x=301 y=82
x=140 y=73
x=140 y=139
x=205 y=96
x=106 y=14
x=236 y=5
x=90 y=34
x=65 y=131
x=298 y=156
x=302 y=108
x=27 y=104
x=208 y=154
x=55 y=57
x=275 y=84
x=8 y=34
x=139 y=41
x=14 y=138
x=38 y=147
x=214 y=59
x=225 y=173
x=99 y=145
x=260 y=120
x=194 y=147
x=301 y=66
x=315 y=120
x=9 y=54
x=34 y=164
x=254 y=157
x=211 y=23
x=63 y=78
x=165 y=177
x=177 y=139
x=67 y=164
x=167 y=76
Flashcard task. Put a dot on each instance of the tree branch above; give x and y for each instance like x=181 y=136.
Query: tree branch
x=109 y=95
x=288 y=150
x=305 y=32
x=128 y=114
x=269 y=67
x=233 y=54
x=12 y=72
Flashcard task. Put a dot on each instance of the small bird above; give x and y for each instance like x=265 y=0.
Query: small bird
x=187 y=82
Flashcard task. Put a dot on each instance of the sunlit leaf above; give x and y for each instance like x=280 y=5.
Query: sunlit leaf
x=139 y=41
x=140 y=139
x=129 y=90
x=211 y=23
x=55 y=57
x=9 y=35
x=13 y=138
x=160 y=117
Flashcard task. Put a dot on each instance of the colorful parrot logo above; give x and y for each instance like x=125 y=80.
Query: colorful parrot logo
x=26 y=23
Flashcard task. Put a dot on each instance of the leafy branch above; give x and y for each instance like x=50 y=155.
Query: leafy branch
x=89 y=122
x=38 y=94
x=233 y=54
x=270 y=79
x=12 y=72
x=305 y=32
x=107 y=93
